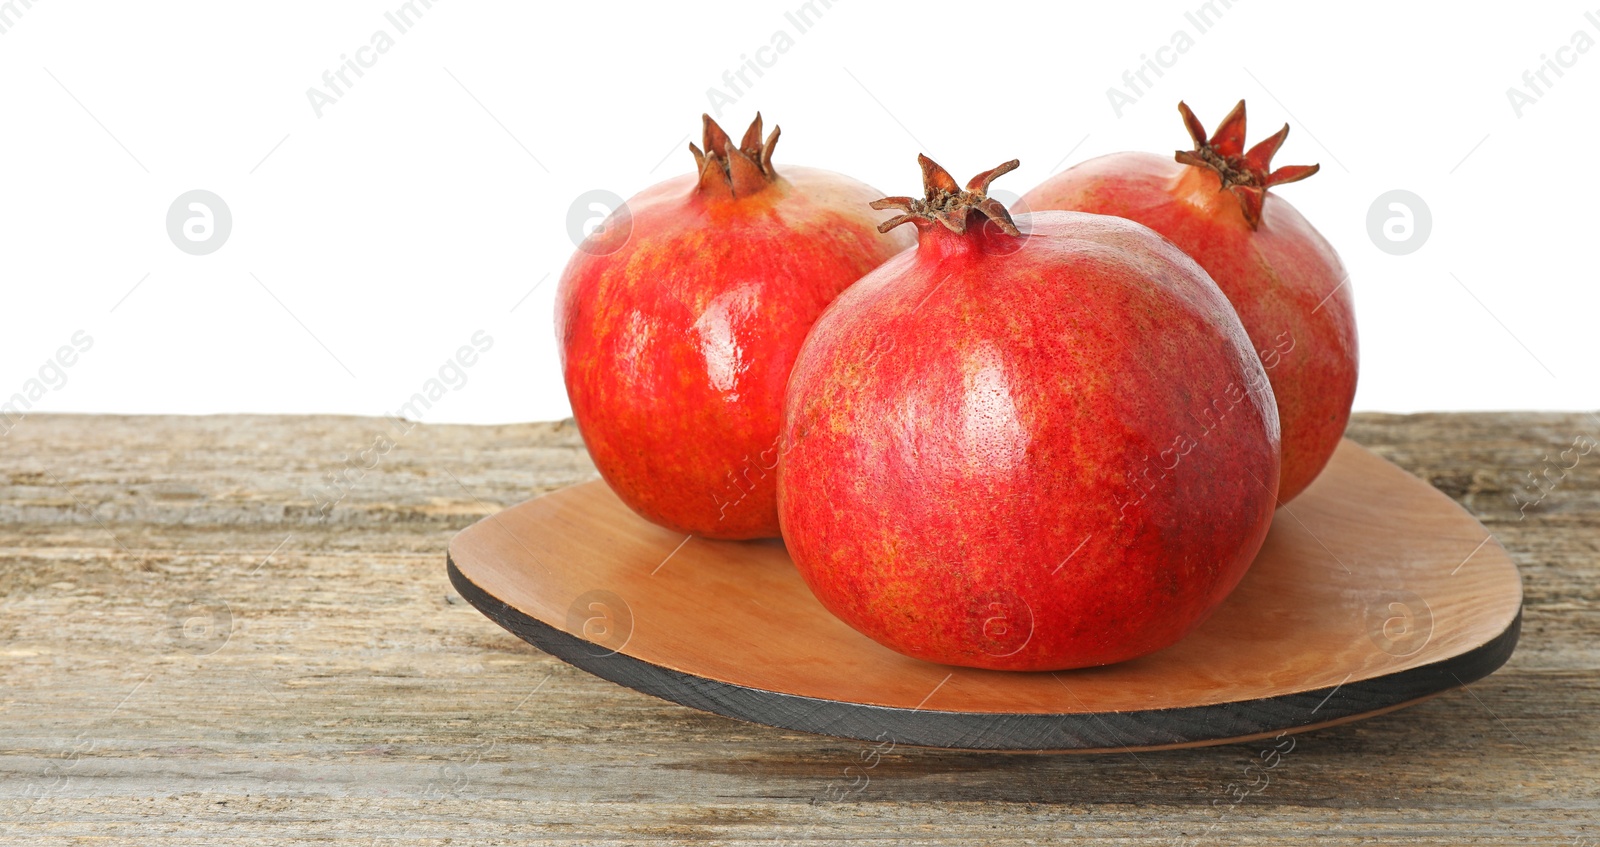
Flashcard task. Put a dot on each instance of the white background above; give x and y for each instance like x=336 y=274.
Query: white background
x=433 y=197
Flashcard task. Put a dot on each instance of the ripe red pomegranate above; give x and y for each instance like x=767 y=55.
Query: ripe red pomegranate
x=1026 y=445
x=1283 y=278
x=680 y=317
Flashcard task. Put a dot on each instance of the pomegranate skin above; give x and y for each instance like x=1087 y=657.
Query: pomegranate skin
x=676 y=346
x=1034 y=453
x=1285 y=280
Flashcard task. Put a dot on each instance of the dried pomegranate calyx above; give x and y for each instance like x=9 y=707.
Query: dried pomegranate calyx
x=734 y=171
x=1246 y=175
x=946 y=202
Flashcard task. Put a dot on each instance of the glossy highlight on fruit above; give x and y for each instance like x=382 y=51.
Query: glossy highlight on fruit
x=1029 y=444
x=679 y=318
x=1287 y=283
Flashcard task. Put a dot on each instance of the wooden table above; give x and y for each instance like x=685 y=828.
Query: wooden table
x=191 y=652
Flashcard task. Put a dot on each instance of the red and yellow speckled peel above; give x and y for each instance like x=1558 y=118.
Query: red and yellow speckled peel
x=676 y=344
x=1287 y=283
x=1029 y=444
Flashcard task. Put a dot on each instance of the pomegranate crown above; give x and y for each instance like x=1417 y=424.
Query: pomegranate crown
x=729 y=171
x=946 y=202
x=1247 y=175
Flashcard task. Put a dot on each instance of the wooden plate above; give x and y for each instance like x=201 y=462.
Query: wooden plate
x=1373 y=591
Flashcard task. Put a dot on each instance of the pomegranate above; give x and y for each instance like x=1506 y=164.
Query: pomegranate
x=1028 y=444
x=1281 y=275
x=680 y=316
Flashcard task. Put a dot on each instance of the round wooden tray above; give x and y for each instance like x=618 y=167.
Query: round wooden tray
x=1373 y=591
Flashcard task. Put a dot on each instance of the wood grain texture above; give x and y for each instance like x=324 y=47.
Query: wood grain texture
x=1373 y=589
x=357 y=700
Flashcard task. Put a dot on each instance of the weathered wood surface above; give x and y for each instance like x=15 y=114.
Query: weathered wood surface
x=344 y=694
